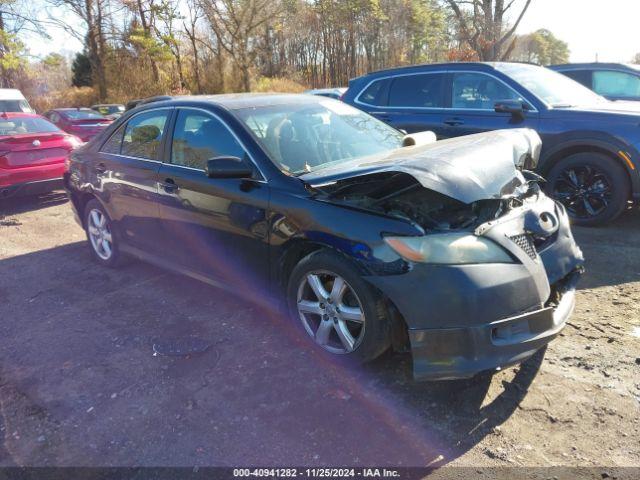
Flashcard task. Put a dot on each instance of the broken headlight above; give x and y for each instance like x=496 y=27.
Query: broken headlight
x=449 y=248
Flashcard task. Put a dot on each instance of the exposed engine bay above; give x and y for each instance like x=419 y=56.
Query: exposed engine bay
x=400 y=195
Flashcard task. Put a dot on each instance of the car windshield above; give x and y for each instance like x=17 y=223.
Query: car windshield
x=82 y=115
x=26 y=125
x=304 y=137
x=554 y=89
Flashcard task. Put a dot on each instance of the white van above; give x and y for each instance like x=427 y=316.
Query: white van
x=12 y=100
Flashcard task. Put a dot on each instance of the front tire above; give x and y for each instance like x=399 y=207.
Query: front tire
x=337 y=309
x=593 y=187
x=101 y=235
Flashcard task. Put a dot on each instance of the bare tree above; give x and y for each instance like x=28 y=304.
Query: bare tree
x=91 y=12
x=191 y=31
x=168 y=13
x=236 y=24
x=482 y=25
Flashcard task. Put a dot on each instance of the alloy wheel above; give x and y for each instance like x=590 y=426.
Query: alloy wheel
x=585 y=191
x=100 y=234
x=331 y=312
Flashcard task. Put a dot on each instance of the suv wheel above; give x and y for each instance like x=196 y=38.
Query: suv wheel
x=342 y=313
x=593 y=187
x=102 y=239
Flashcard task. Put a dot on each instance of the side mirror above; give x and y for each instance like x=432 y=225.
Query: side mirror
x=514 y=107
x=228 y=167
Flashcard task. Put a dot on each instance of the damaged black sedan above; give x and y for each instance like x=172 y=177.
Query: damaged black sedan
x=374 y=239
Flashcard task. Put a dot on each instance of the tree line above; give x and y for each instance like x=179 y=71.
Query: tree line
x=137 y=48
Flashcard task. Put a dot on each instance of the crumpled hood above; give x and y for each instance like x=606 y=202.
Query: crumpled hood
x=470 y=168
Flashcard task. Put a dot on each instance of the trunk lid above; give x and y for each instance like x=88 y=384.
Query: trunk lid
x=26 y=150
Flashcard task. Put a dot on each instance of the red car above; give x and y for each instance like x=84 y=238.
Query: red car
x=81 y=122
x=32 y=154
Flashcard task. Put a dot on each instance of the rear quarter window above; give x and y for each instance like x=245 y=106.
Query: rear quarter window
x=375 y=93
x=580 y=76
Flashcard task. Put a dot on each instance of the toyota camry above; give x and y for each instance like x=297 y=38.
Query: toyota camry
x=372 y=239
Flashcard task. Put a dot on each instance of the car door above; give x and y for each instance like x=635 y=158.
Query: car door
x=213 y=226
x=471 y=108
x=126 y=176
x=414 y=102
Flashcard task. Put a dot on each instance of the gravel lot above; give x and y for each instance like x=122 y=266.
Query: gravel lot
x=80 y=385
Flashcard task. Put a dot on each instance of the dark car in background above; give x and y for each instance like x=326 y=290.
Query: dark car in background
x=84 y=123
x=141 y=101
x=32 y=154
x=590 y=146
x=371 y=239
x=615 y=81
x=109 y=110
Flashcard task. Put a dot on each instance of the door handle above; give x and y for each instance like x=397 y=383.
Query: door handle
x=453 y=122
x=169 y=185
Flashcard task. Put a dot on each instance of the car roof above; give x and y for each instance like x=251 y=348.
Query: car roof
x=108 y=105
x=596 y=66
x=486 y=66
x=235 y=101
x=69 y=109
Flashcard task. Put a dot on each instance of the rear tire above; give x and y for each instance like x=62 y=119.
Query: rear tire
x=593 y=187
x=332 y=315
x=101 y=235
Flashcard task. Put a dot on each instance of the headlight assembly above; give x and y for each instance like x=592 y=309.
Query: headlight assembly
x=449 y=248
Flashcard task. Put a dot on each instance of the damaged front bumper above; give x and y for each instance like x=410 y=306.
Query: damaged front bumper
x=448 y=353
x=465 y=319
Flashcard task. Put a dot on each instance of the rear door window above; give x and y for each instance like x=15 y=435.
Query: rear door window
x=144 y=133
x=424 y=90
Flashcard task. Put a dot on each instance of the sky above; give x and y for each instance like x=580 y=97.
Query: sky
x=609 y=32
x=607 y=29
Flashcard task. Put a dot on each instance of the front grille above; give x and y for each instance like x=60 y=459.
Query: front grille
x=525 y=242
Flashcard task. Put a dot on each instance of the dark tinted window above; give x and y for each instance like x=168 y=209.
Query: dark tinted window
x=477 y=91
x=199 y=137
x=374 y=93
x=420 y=90
x=114 y=143
x=616 y=84
x=143 y=135
x=580 y=76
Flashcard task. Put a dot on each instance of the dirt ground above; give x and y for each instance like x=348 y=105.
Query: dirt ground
x=80 y=384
